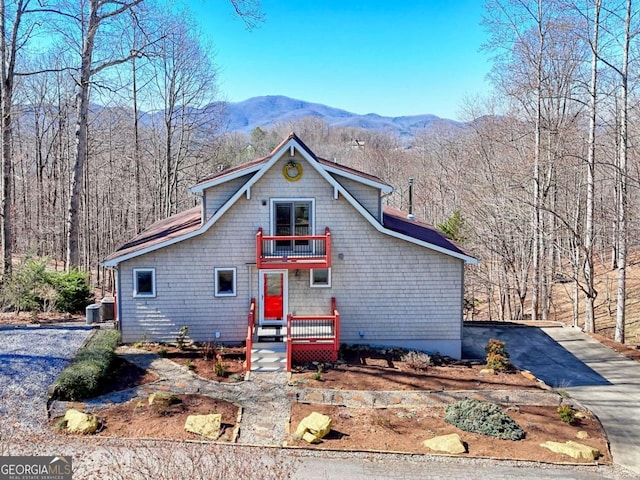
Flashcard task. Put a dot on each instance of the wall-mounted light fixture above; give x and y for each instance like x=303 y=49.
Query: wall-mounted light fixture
x=361 y=333
x=341 y=256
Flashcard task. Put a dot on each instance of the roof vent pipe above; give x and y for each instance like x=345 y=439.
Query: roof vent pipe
x=411 y=216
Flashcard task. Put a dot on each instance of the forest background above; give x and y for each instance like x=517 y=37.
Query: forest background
x=110 y=111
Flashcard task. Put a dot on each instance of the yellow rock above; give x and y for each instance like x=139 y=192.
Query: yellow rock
x=310 y=438
x=163 y=398
x=207 y=426
x=487 y=371
x=316 y=424
x=79 y=422
x=582 y=435
x=446 y=443
x=573 y=449
x=528 y=375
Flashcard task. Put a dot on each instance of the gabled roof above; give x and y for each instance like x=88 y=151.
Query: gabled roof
x=189 y=224
x=254 y=165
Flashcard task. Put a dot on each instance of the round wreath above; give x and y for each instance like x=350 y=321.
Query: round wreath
x=292 y=171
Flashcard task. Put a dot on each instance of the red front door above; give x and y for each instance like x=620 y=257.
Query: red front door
x=273 y=296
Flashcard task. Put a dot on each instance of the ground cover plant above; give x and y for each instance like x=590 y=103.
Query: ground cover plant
x=483 y=417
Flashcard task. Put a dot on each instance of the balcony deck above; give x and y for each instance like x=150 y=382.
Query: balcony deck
x=293 y=251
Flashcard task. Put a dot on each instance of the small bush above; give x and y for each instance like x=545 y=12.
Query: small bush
x=496 y=347
x=483 y=417
x=92 y=364
x=567 y=414
x=497 y=362
x=417 y=360
x=182 y=337
x=32 y=287
x=219 y=367
x=497 y=356
x=73 y=290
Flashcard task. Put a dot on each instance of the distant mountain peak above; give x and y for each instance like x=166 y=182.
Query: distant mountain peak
x=266 y=111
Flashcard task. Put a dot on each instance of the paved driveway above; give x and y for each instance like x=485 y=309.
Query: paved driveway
x=597 y=377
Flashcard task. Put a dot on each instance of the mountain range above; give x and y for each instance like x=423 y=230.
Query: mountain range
x=266 y=111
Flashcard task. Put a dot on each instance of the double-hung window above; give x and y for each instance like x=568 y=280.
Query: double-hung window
x=144 y=282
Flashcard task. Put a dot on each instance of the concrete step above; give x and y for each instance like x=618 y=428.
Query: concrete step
x=275 y=334
x=269 y=357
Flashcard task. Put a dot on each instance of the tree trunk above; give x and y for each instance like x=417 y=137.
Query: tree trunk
x=82 y=110
x=589 y=323
x=622 y=189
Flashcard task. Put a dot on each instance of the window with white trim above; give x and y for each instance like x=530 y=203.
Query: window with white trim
x=292 y=217
x=320 y=278
x=144 y=282
x=225 y=282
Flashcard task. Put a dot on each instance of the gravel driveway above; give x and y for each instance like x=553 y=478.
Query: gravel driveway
x=30 y=360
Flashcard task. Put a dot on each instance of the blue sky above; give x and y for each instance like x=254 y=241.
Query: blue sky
x=391 y=57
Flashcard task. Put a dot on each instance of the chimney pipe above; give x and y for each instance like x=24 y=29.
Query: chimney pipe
x=411 y=216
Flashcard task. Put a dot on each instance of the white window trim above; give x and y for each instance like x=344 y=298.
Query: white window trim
x=320 y=285
x=215 y=282
x=153 y=283
x=272 y=210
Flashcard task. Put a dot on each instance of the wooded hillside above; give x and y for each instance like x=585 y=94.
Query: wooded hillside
x=107 y=124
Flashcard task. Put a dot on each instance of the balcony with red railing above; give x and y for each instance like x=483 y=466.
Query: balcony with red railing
x=293 y=251
x=313 y=337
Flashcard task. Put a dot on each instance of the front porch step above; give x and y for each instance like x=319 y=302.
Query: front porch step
x=269 y=357
x=270 y=334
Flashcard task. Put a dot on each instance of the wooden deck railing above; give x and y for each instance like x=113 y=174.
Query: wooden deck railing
x=293 y=251
x=313 y=337
x=251 y=322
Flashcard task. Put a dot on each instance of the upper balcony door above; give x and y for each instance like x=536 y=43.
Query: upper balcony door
x=290 y=218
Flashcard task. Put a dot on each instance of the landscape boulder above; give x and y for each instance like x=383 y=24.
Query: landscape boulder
x=573 y=449
x=446 y=443
x=80 y=422
x=313 y=428
x=207 y=426
x=163 y=399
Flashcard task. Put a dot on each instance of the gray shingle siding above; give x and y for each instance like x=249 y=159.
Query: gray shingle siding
x=393 y=291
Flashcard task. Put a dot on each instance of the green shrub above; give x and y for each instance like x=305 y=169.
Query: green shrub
x=22 y=290
x=567 y=414
x=73 y=290
x=92 y=364
x=483 y=417
x=32 y=287
x=497 y=356
x=496 y=347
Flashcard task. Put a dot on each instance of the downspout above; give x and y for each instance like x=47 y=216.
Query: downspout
x=118 y=302
x=380 y=199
